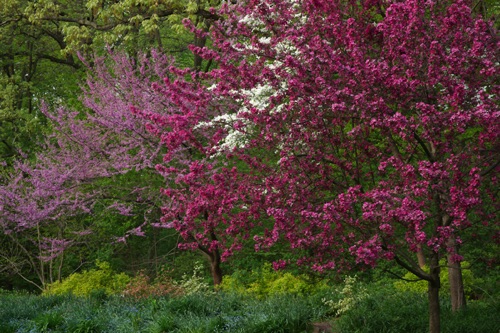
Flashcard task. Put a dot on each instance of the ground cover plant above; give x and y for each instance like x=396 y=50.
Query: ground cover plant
x=352 y=306
x=191 y=313
x=383 y=310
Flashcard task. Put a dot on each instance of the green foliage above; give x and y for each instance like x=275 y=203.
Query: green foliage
x=236 y=313
x=386 y=309
x=190 y=313
x=383 y=310
x=266 y=282
x=164 y=324
x=48 y=321
x=88 y=283
x=414 y=284
x=183 y=263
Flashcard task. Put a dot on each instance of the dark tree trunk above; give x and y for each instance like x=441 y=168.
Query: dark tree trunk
x=215 y=261
x=215 y=269
x=433 y=294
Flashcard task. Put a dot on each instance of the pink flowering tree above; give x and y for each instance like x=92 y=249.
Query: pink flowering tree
x=85 y=162
x=379 y=121
x=207 y=199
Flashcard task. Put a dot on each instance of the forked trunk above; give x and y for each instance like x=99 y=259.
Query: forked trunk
x=215 y=264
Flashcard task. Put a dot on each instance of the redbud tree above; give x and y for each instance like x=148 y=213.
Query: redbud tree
x=362 y=129
x=82 y=168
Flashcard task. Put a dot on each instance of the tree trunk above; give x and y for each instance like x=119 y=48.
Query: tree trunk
x=215 y=261
x=215 y=268
x=433 y=294
x=457 y=293
x=420 y=257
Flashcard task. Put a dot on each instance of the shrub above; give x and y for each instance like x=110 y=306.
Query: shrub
x=48 y=321
x=386 y=309
x=88 y=282
x=140 y=286
x=351 y=294
x=267 y=282
x=195 y=283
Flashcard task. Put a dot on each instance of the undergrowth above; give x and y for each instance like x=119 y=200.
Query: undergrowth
x=352 y=307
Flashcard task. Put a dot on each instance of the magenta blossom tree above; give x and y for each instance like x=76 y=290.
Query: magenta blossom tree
x=365 y=129
x=207 y=199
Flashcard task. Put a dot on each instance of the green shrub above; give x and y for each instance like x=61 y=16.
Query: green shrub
x=89 y=282
x=164 y=324
x=386 y=311
x=267 y=282
x=478 y=317
x=383 y=309
x=48 y=321
x=414 y=284
x=85 y=326
x=8 y=327
x=236 y=313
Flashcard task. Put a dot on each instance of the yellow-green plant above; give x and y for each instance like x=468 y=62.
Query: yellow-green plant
x=83 y=284
x=267 y=282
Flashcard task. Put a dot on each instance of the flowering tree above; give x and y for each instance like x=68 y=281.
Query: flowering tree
x=207 y=199
x=81 y=165
x=379 y=121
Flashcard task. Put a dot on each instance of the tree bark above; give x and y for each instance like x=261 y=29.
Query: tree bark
x=215 y=268
x=215 y=261
x=420 y=257
x=433 y=295
x=457 y=294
